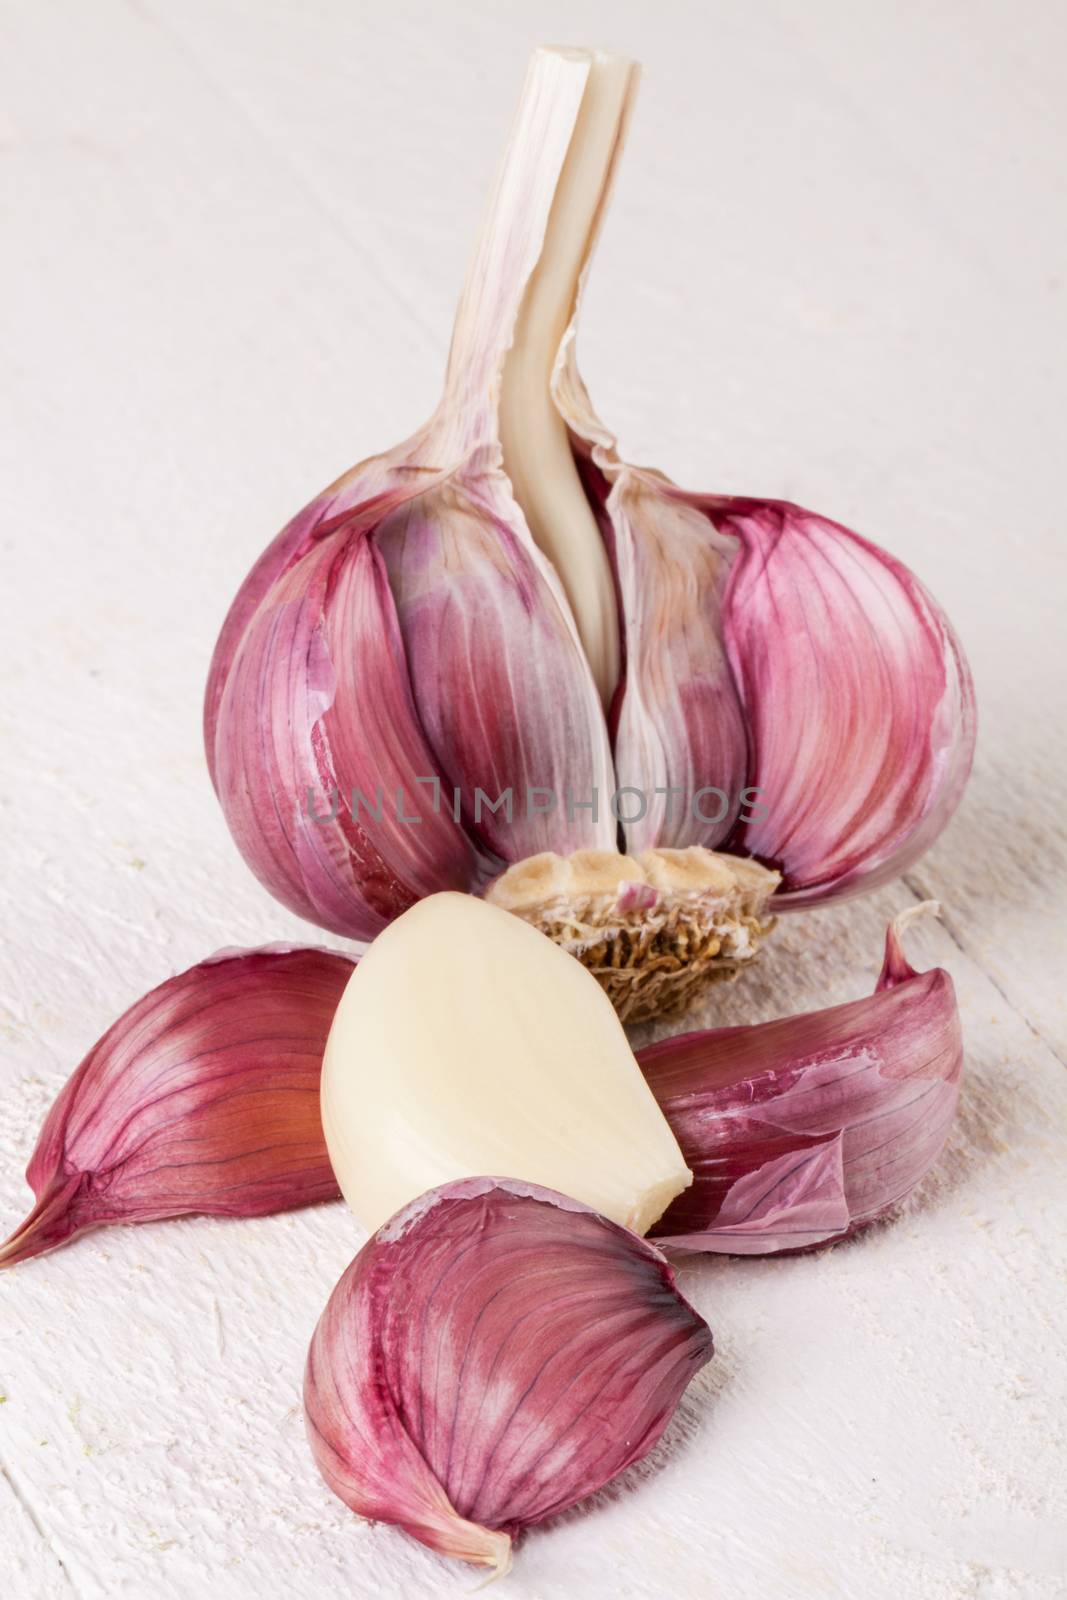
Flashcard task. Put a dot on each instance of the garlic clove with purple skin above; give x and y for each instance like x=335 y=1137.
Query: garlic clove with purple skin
x=802 y=1130
x=680 y=735
x=494 y=1354
x=497 y=671
x=315 y=796
x=500 y=609
x=857 y=698
x=824 y=706
x=203 y=1097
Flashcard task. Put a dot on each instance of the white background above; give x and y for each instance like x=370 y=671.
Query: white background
x=834 y=271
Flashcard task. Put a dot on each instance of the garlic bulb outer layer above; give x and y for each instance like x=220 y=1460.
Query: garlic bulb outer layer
x=467 y=1042
x=202 y=1097
x=495 y=1353
x=802 y=1130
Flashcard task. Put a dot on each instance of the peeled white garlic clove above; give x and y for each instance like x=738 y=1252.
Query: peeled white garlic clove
x=495 y=1353
x=202 y=1097
x=464 y=1043
x=802 y=1130
x=517 y=644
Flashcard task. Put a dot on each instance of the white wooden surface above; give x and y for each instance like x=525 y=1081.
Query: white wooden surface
x=834 y=271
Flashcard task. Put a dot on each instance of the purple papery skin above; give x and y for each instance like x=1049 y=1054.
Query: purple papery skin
x=802 y=1130
x=677 y=720
x=857 y=698
x=363 y=493
x=775 y=657
x=319 y=688
x=500 y=680
x=203 y=1097
x=780 y=659
x=495 y=1353
x=317 y=705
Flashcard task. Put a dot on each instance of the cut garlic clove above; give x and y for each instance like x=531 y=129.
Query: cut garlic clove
x=495 y=1353
x=802 y=1130
x=466 y=1043
x=203 y=1097
x=653 y=930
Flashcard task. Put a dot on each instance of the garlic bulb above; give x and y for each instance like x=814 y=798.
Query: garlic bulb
x=495 y=1353
x=466 y=1043
x=498 y=641
x=803 y=1130
x=202 y=1097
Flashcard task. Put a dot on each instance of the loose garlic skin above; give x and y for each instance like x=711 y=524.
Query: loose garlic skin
x=467 y=1043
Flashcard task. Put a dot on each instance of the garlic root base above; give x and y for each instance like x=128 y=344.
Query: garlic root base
x=654 y=929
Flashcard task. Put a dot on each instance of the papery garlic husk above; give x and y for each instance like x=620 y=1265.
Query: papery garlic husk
x=501 y=607
x=465 y=1043
x=495 y=1353
x=804 y=1130
x=203 y=1097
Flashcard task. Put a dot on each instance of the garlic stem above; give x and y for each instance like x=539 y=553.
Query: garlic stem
x=536 y=446
x=518 y=302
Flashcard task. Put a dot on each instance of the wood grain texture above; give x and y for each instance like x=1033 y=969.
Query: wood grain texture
x=834 y=271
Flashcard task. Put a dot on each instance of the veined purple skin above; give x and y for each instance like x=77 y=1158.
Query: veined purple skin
x=202 y=1098
x=502 y=686
x=495 y=1353
x=845 y=713
x=857 y=697
x=802 y=1130
x=678 y=724
x=761 y=647
x=317 y=705
x=356 y=494
x=409 y=637
x=406 y=644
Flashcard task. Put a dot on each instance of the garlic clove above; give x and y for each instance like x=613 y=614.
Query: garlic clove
x=466 y=1042
x=680 y=738
x=857 y=698
x=321 y=800
x=503 y=689
x=365 y=491
x=856 y=706
x=802 y=1130
x=654 y=929
x=494 y=1354
x=203 y=1097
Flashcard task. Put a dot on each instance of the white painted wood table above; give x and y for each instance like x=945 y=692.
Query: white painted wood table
x=834 y=271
